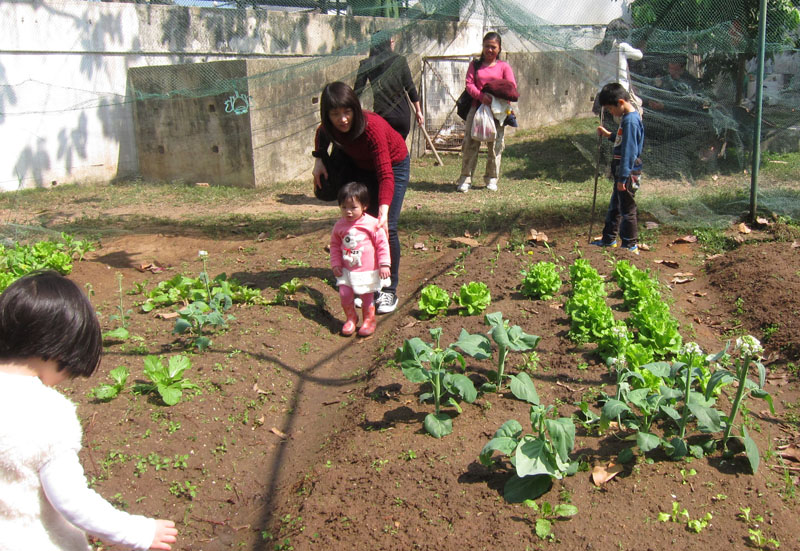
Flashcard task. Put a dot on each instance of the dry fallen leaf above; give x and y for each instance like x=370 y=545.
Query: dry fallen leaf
x=667 y=263
x=602 y=474
x=686 y=239
x=644 y=246
x=792 y=451
x=167 y=315
x=763 y=221
x=537 y=236
x=279 y=433
x=683 y=274
x=651 y=225
x=465 y=241
x=679 y=280
x=743 y=228
x=258 y=390
x=262 y=236
x=420 y=246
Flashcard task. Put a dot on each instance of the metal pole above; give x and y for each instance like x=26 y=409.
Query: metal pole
x=596 y=175
x=762 y=34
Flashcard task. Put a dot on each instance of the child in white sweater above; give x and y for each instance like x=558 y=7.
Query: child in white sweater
x=49 y=332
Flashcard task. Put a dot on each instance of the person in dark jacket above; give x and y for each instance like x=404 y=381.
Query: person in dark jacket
x=390 y=78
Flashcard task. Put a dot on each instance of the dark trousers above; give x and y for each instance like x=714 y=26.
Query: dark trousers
x=622 y=217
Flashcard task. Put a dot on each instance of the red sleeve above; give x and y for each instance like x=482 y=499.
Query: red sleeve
x=321 y=140
x=377 y=135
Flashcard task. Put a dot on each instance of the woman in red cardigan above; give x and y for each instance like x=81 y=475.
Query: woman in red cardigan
x=375 y=155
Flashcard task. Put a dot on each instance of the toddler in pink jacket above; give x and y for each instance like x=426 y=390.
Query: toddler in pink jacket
x=359 y=257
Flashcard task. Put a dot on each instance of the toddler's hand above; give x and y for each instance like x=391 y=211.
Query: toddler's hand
x=337 y=271
x=165 y=534
x=603 y=132
x=385 y=272
x=620 y=186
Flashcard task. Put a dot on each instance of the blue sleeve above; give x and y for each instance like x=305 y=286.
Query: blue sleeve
x=630 y=148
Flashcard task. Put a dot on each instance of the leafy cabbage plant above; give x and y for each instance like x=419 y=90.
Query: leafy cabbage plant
x=433 y=300
x=541 y=281
x=473 y=298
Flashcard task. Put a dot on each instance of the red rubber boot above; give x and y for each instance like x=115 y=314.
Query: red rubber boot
x=368 y=310
x=349 y=326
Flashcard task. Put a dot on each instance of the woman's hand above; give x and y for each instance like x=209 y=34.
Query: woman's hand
x=383 y=218
x=165 y=534
x=319 y=170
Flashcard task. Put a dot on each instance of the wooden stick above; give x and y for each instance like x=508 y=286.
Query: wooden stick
x=425 y=132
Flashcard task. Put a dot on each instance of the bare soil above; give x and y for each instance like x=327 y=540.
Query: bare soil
x=301 y=439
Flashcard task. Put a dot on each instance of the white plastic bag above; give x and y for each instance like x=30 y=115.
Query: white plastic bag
x=483 y=129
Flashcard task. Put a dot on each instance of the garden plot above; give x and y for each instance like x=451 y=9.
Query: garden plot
x=289 y=436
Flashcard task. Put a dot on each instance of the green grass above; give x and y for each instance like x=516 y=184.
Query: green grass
x=547 y=182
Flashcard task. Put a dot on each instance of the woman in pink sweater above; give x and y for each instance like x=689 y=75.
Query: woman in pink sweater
x=482 y=71
x=359 y=257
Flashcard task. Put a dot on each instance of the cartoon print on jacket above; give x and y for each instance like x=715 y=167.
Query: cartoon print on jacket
x=350 y=253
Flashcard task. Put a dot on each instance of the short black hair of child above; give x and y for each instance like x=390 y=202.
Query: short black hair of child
x=612 y=93
x=45 y=315
x=354 y=190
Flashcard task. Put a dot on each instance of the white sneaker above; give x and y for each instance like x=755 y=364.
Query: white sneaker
x=387 y=302
x=463 y=185
x=491 y=184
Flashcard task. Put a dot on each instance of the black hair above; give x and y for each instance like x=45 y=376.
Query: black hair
x=354 y=190
x=617 y=30
x=45 y=315
x=380 y=44
x=491 y=35
x=338 y=95
x=611 y=94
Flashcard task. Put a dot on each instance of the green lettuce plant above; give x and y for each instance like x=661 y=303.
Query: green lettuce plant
x=541 y=281
x=472 y=298
x=433 y=301
x=429 y=363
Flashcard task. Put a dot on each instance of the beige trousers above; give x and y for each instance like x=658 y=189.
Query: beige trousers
x=470 y=148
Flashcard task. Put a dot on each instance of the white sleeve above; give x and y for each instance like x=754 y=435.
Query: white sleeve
x=64 y=484
x=631 y=52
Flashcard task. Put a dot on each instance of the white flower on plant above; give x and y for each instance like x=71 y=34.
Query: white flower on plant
x=202 y=253
x=620 y=332
x=691 y=349
x=749 y=346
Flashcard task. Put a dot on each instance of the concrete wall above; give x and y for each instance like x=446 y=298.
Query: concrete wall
x=67 y=104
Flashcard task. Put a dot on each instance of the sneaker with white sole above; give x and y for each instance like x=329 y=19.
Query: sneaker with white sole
x=386 y=303
x=463 y=187
x=491 y=184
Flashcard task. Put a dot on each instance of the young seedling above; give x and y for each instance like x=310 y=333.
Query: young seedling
x=507 y=339
x=120 y=333
x=167 y=379
x=547 y=514
x=106 y=392
x=414 y=358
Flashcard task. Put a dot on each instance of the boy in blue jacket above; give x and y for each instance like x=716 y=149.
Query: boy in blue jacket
x=626 y=168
